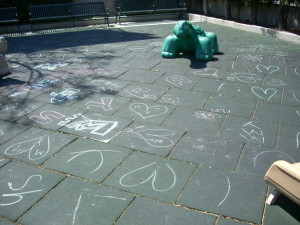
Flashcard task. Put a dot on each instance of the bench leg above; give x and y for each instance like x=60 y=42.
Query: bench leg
x=272 y=197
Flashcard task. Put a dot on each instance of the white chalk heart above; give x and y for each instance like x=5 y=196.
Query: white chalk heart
x=267 y=69
x=264 y=94
x=145 y=112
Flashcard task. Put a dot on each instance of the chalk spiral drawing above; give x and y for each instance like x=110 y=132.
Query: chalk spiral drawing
x=178 y=80
x=98 y=127
x=171 y=99
x=152 y=177
x=263 y=94
x=228 y=190
x=254 y=134
x=37 y=148
x=100 y=152
x=203 y=115
x=154 y=137
x=68 y=94
x=104 y=103
x=19 y=195
x=45 y=117
x=144 y=111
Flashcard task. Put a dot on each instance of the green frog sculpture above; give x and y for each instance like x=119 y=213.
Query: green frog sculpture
x=190 y=38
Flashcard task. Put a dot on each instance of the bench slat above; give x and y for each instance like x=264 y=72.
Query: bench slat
x=9 y=15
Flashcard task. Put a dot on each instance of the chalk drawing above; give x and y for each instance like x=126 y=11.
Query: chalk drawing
x=104 y=103
x=152 y=177
x=272 y=152
x=295 y=97
x=19 y=196
x=255 y=132
x=141 y=93
x=76 y=209
x=211 y=72
x=219 y=88
x=98 y=127
x=276 y=83
x=221 y=111
x=37 y=148
x=248 y=78
x=1 y=132
x=253 y=58
x=297 y=139
x=69 y=119
x=9 y=106
x=144 y=111
x=105 y=71
x=228 y=190
x=154 y=137
x=178 y=80
x=263 y=94
x=26 y=110
x=45 y=117
x=68 y=94
x=296 y=72
x=171 y=99
x=207 y=115
x=246 y=67
x=269 y=69
x=100 y=152
x=51 y=66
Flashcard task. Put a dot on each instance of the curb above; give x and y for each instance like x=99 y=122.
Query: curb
x=283 y=35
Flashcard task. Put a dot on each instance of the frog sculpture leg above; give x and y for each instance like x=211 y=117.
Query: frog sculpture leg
x=189 y=38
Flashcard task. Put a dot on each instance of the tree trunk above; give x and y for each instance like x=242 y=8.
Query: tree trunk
x=205 y=7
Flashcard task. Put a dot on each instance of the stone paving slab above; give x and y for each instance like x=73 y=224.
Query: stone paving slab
x=223 y=192
x=196 y=163
x=149 y=138
x=22 y=186
x=151 y=176
x=69 y=201
x=147 y=212
x=88 y=159
x=35 y=145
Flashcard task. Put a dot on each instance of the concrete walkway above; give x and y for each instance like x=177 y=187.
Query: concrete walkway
x=97 y=128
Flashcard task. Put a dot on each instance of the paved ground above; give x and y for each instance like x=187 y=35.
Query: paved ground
x=97 y=128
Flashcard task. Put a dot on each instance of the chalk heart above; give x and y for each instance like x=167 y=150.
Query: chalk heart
x=267 y=69
x=145 y=112
x=263 y=94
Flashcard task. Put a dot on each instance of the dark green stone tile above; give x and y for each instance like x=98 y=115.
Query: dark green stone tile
x=207 y=150
x=51 y=117
x=88 y=159
x=177 y=81
x=96 y=126
x=252 y=131
x=226 y=193
x=196 y=121
x=8 y=130
x=77 y=202
x=143 y=91
x=223 y=221
x=141 y=75
x=35 y=145
x=149 y=112
x=284 y=211
x=149 y=138
x=148 y=212
x=289 y=137
x=13 y=109
x=232 y=106
x=256 y=160
x=140 y=64
x=208 y=72
x=177 y=68
x=277 y=113
x=217 y=87
x=102 y=103
x=266 y=94
x=22 y=186
x=151 y=176
x=108 y=72
x=291 y=97
x=185 y=98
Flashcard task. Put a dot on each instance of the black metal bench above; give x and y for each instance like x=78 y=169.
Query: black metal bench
x=148 y=7
x=9 y=16
x=67 y=11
